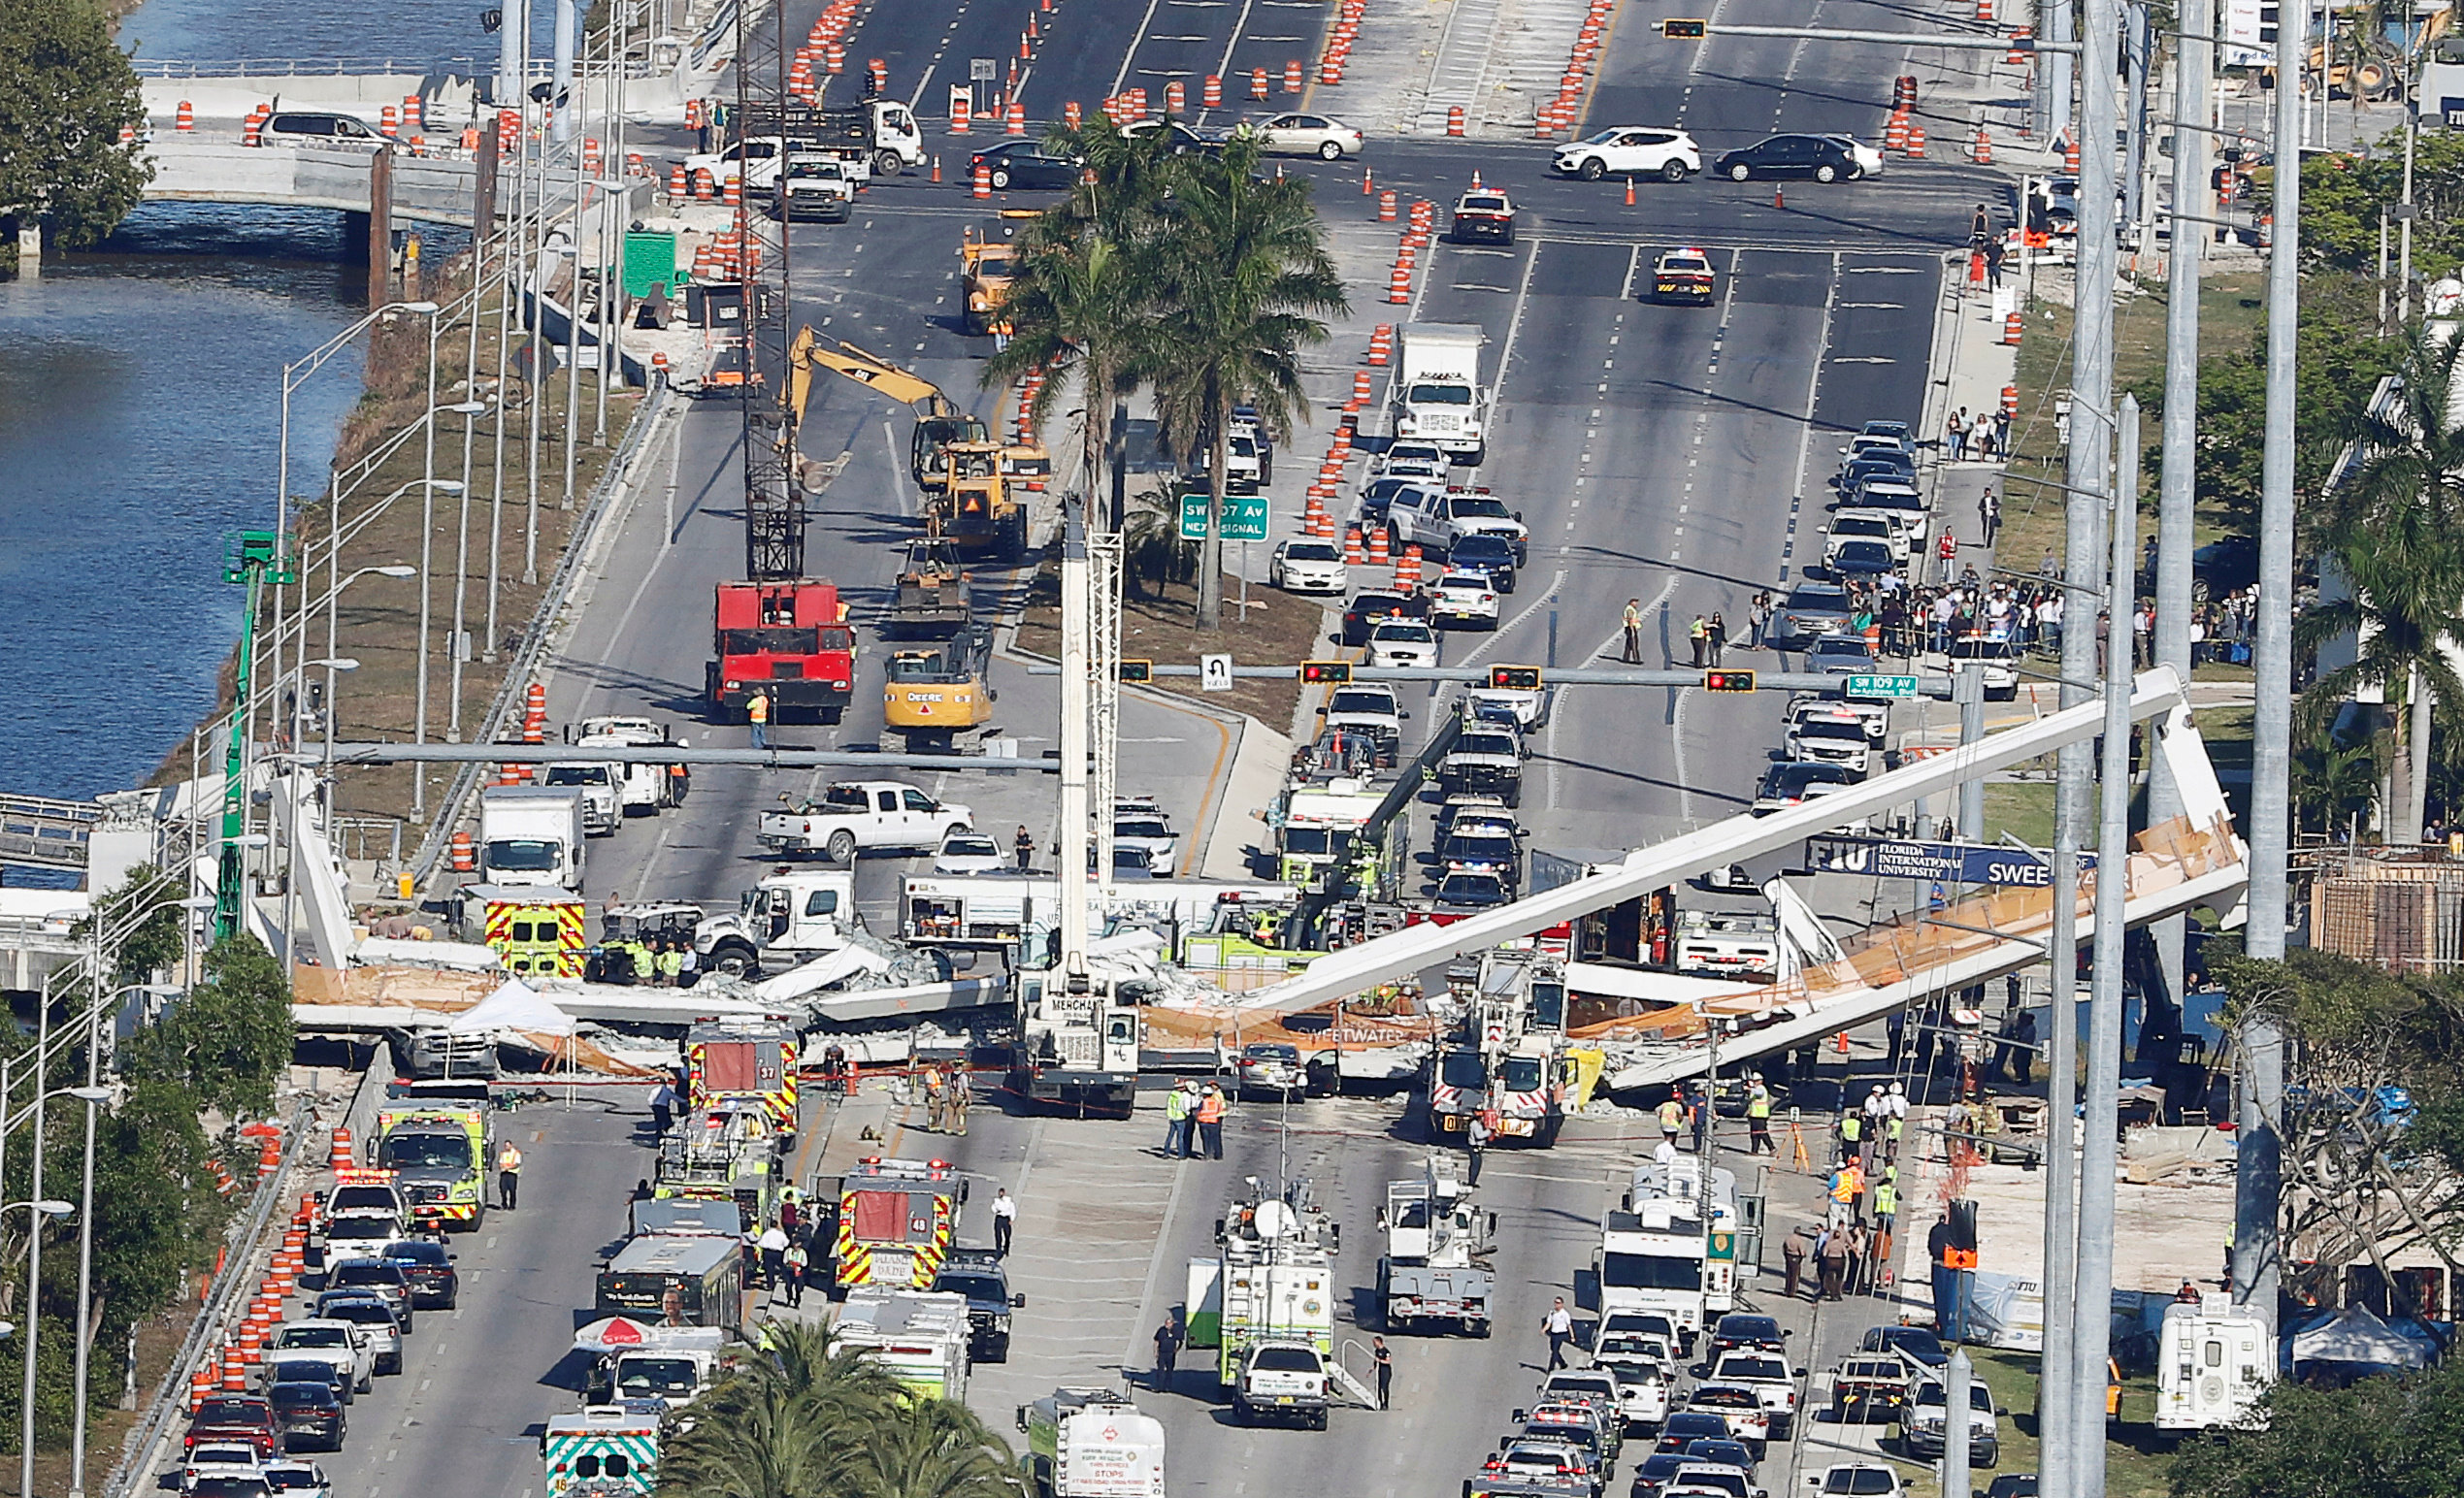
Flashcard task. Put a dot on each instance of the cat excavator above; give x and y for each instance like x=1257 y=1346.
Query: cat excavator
x=973 y=485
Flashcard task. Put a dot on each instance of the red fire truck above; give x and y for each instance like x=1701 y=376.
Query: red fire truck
x=790 y=639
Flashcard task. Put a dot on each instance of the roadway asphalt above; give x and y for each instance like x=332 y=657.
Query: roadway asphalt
x=1675 y=455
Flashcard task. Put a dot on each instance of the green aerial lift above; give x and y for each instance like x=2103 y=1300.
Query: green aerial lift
x=251 y=559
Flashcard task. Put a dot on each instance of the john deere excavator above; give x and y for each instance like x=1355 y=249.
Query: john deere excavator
x=939 y=690
x=966 y=477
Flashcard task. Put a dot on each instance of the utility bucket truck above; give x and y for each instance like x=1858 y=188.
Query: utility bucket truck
x=1266 y=1303
x=1436 y=1272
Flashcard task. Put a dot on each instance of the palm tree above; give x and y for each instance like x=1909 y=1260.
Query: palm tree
x=2396 y=534
x=788 y=1425
x=2332 y=778
x=1077 y=310
x=1246 y=276
x=934 y=1448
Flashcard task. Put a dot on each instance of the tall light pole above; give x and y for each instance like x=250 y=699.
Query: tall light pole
x=2257 y=1178
x=40 y=1209
x=93 y=1096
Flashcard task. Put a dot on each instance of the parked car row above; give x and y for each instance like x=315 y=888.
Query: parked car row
x=377 y=1275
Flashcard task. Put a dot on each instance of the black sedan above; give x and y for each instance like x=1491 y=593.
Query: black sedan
x=310 y=1415
x=1019 y=164
x=1365 y=611
x=1818 y=156
x=434 y=1283
x=1184 y=139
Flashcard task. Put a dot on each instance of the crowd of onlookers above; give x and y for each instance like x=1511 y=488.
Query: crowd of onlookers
x=1902 y=618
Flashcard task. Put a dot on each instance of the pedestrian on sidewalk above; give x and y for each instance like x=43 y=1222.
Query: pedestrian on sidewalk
x=1210 y=1122
x=1946 y=552
x=1717 y=634
x=1167 y=1355
x=1026 y=847
x=1994 y=263
x=1981 y=227
x=774 y=1249
x=1988 y=514
x=1176 y=1122
x=797 y=1259
x=1834 y=1254
x=1633 y=627
x=757 y=715
x=1004 y=1221
x=1385 y=1360
x=1558 y=1324
x=509 y=1175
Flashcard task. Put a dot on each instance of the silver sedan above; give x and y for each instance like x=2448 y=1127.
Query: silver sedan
x=1308 y=135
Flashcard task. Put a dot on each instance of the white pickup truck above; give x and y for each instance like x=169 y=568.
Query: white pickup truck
x=1439 y=518
x=1720 y=945
x=817 y=187
x=1283 y=1381
x=856 y=815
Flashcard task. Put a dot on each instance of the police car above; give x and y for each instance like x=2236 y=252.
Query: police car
x=1683 y=275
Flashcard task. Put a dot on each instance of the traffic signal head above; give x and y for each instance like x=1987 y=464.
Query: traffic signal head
x=1727 y=682
x=1687 y=30
x=1332 y=673
x=1514 y=678
x=1138 y=670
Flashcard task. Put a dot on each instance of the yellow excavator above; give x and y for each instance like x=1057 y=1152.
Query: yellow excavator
x=968 y=480
x=939 y=690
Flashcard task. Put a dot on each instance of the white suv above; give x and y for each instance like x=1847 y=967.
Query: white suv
x=1631 y=150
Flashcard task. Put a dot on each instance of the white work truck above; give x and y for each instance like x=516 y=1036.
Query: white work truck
x=1438 y=518
x=600 y=782
x=816 y=187
x=791 y=916
x=2214 y=1362
x=1436 y=1272
x=1437 y=396
x=1093 y=1443
x=532 y=835
x=918 y=1337
x=643 y=788
x=856 y=815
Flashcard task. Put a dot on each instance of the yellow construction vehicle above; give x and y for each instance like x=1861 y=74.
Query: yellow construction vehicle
x=986 y=268
x=938 y=421
x=937 y=691
x=975 y=506
x=930 y=602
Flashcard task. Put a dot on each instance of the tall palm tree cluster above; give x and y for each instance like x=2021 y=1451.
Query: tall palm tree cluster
x=807 y=1419
x=1192 y=275
x=2395 y=535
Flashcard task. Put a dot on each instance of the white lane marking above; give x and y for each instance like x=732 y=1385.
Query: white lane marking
x=1155 y=1268
x=1514 y=320
x=1135 y=37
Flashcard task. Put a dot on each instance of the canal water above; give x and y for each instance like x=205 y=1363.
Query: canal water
x=140 y=408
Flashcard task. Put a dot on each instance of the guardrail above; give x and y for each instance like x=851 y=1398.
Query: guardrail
x=315 y=67
x=518 y=671
x=225 y=1302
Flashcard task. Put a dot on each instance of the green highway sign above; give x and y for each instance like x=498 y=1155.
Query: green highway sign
x=1882 y=688
x=1243 y=517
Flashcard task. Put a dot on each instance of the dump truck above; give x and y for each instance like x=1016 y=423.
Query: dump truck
x=438 y=1154
x=1093 y=1443
x=986 y=268
x=1436 y=1272
x=896 y=1219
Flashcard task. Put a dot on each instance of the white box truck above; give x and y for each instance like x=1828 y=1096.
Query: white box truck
x=1437 y=396
x=532 y=835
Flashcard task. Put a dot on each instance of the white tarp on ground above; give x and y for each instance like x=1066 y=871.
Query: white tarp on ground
x=514 y=1007
x=2356 y=1336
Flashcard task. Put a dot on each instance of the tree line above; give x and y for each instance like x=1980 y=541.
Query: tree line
x=1186 y=272
x=66 y=93
x=159 y=1205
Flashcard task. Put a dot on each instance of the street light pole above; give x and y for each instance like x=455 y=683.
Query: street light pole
x=2258 y=1177
x=92 y=1095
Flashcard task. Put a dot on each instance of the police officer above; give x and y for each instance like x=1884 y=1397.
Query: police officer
x=1757 y=1118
